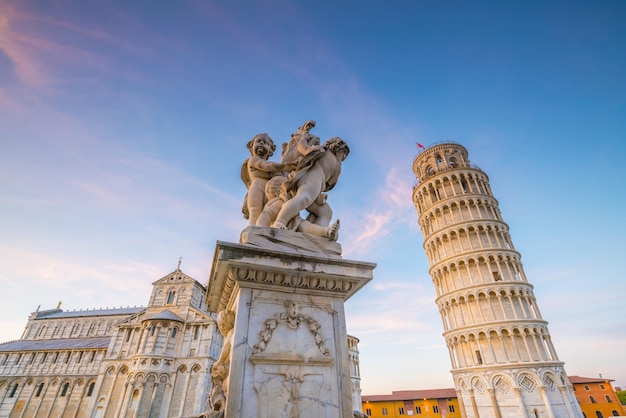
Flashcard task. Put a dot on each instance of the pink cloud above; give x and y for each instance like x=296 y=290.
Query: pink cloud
x=15 y=46
x=32 y=42
x=393 y=207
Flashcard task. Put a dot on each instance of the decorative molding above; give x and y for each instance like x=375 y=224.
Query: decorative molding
x=291 y=319
x=312 y=282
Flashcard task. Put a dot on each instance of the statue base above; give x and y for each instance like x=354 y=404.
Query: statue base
x=289 y=354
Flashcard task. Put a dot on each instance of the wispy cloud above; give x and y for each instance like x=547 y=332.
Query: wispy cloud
x=44 y=50
x=373 y=314
x=33 y=55
x=19 y=49
x=391 y=207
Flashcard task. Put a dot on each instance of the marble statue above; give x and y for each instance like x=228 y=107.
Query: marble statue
x=317 y=171
x=279 y=192
x=302 y=142
x=276 y=198
x=256 y=171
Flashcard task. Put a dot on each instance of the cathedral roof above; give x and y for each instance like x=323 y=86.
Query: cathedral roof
x=177 y=276
x=87 y=312
x=58 y=344
x=166 y=315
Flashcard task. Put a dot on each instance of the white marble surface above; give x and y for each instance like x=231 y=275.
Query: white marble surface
x=289 y=352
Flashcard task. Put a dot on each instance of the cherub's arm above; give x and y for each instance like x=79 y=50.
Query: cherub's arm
x=268 y=166
x=303 y=146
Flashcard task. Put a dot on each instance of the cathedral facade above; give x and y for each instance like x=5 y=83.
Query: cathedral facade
x=151 y=361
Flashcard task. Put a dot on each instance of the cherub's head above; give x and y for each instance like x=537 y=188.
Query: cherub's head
x=225 y=321
x=338 y=147
x=261 y=145
x=292 y=309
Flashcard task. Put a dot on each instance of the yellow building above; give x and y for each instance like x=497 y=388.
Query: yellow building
x=422 y=403
x=596 y=397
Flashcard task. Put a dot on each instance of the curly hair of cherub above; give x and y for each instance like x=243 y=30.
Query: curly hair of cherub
x=250 y=144
x=227 y=317
x=335 y=143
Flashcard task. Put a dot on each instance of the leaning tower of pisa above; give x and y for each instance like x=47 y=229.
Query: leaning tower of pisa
x=503 y=360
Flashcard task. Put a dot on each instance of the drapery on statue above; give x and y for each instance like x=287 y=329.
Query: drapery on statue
x=308 y=169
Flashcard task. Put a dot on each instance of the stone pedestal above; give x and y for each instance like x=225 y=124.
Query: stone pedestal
x=289 y=355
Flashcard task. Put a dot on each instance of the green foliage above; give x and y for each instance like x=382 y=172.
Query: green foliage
x=622 y=396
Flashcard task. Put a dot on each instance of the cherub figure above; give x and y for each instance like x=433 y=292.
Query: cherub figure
x=256 y=171
x=317 y=172
x=221 y=368
x=276 y=198
x=302 y=142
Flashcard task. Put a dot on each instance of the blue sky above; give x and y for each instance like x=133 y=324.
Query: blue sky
x=123 y=127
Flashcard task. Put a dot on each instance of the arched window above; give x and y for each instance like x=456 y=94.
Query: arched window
x=39 y=389
x=12 y=394
x=608 y=398
x=592 y=399
x=170 y=297
x=599 y=414
x=173 y=332
x=65 y=388
x=90 y=389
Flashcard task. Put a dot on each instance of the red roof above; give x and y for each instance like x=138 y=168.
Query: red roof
x=407 y=395
x=580 y=379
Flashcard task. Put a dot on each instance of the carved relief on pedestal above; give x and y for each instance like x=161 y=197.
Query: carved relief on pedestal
x=292 y=391
x=293 y=365
x=220 y=370
x=292 y=319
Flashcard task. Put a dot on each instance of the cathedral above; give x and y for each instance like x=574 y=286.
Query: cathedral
x=151 y=361
x=144 y=361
